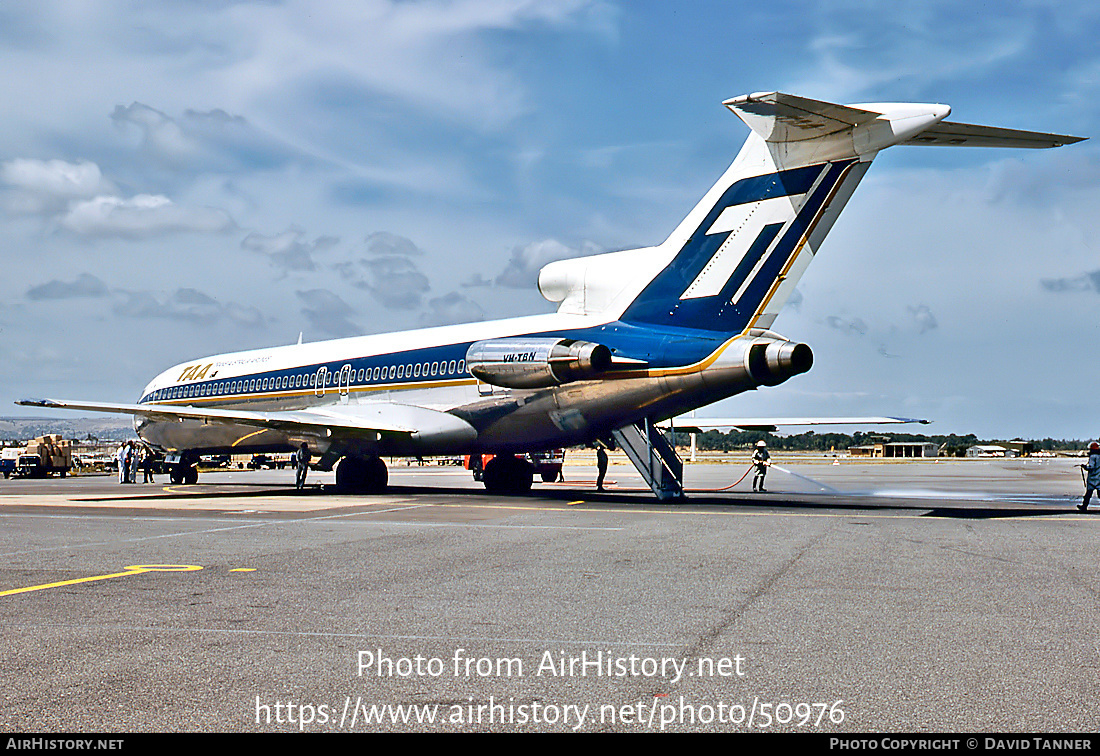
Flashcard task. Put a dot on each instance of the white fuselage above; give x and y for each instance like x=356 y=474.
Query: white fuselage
x=426 y=368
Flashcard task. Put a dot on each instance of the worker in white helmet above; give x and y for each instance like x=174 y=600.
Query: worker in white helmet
x=761 y=460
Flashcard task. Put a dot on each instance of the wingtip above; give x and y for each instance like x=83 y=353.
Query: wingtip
x=741 y=99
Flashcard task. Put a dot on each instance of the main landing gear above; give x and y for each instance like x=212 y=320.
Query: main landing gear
x=361 y=475
x=508 y=475
x=185 y=471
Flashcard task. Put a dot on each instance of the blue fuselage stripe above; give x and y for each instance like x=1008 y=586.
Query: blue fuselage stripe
x=656 y=347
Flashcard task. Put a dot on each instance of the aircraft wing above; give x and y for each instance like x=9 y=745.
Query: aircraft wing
x=947 y=133
x=349 y=420
x=769 y=424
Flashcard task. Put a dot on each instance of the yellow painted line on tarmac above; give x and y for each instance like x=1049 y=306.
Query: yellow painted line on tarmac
x=134 y=569
x=243 y=569
x=575 y=503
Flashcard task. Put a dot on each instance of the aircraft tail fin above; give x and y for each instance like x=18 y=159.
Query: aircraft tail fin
x=735 y=259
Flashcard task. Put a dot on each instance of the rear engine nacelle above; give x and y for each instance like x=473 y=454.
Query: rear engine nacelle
x=536 y=363
x=770 y=362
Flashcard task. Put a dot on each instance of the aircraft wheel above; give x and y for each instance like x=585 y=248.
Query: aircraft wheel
x=377 y=475
x=358 y=475
x=349 y=475
x=191 y=475
x=508 y=475
x=522 y=477
x=175 y=474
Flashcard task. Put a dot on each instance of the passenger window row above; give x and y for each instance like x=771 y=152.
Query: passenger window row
x=309 y=380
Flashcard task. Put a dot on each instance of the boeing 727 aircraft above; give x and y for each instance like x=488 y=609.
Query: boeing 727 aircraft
x=639 y=336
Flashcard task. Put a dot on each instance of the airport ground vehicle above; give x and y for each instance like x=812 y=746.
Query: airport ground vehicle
x=96 y=462
x=44 y=456
x=547 y=465
x=9 y=459
x=270 y=461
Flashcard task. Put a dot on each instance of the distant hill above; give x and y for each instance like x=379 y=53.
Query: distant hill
x=107 y=427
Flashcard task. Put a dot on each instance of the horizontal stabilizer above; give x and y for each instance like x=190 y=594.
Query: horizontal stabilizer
x=779 y=117
x=946 y=133
x=769 y=424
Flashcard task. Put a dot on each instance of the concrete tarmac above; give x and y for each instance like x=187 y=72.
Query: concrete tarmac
x=954 y=596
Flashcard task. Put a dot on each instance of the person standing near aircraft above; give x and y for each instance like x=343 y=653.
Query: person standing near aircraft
x=128 y=462
x=601 y=467
x=301 y=461
x=761 y=460
x=120 y=457
x=1092 y=481
x=132 y=464
x=147 y=464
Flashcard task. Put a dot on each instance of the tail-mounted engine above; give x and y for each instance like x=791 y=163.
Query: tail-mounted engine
x=536 y=363
x=770 y=361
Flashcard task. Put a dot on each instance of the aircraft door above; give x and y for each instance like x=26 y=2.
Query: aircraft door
x=319 y=382
x=343 y=382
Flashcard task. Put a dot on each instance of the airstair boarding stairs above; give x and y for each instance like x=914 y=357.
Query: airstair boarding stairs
x=649 y=450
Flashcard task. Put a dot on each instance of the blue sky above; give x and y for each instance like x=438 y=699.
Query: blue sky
x=184 y=178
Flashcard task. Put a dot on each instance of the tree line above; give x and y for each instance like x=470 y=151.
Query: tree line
x=950 y=445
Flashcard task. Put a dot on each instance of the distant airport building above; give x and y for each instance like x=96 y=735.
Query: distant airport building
x=895 y=450
x=990 y=450
x=1015 y=448
x=1021 y=447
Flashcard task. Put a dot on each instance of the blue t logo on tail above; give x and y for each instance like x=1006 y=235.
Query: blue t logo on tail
x=722 y=275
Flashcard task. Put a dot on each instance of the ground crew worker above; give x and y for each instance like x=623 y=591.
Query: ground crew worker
x=147 y=464
x=1092 y=481
x=761 y=460
x=301 y=461
x=601 y=467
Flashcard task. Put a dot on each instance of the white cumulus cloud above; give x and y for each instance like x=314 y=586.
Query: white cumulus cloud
x=47 y=186
x=141 y=216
